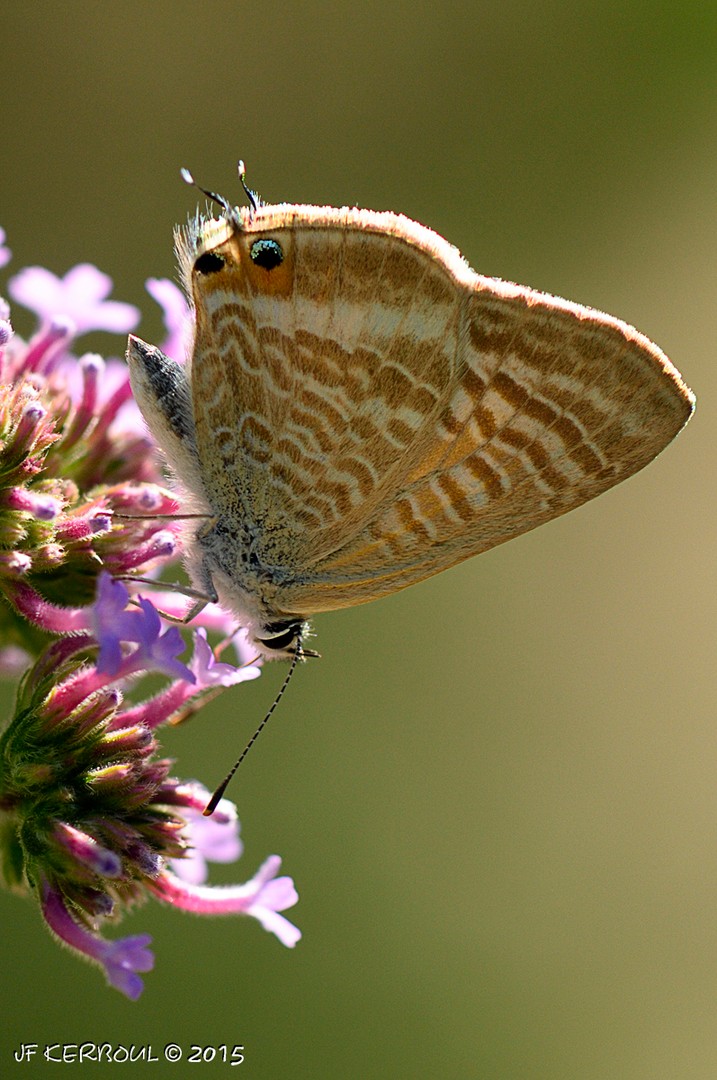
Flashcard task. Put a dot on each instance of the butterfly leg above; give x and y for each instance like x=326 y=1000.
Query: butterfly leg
x=201 y=599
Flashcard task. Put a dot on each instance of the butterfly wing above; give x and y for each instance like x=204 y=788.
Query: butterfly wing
x=540 y=420
x=379 y=412
x=312 y=381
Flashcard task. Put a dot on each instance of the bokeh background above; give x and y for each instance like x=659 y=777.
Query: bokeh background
x=497 y=791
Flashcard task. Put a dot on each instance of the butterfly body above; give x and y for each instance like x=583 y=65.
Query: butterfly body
x=362 y=410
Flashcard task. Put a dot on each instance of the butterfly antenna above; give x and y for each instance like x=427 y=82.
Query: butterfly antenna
x=214 y=801
x=218 y=199
x=252 y=196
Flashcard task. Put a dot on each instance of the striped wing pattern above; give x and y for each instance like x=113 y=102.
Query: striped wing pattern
x=375 y=412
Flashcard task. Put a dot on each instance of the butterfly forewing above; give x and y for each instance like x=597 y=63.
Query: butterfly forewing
x=326 y=383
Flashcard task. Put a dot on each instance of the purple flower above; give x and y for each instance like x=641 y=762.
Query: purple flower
x=72 y=451
x=113 y=624
x=273 y=895
x=92 y=821
x=263 y=897
x=81 y=295
x=209 y=839
x=213 y=618
x=87 y=850
x=43 y=507
x=210 y=672
x=177 y=317
x=121 y=959
x=101 y=392
x=95 y=819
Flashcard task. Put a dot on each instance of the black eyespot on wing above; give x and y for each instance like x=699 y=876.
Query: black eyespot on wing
x=208 y=263
x=266 y=253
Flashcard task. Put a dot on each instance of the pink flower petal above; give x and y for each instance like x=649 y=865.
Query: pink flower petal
x=80 y=296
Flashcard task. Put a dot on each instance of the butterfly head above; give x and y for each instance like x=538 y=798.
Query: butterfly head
x=283 y=639
x=235 y=255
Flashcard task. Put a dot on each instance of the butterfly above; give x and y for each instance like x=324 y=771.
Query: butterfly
x=361 y=409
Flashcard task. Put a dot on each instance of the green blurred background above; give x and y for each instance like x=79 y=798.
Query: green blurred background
x=497 y=791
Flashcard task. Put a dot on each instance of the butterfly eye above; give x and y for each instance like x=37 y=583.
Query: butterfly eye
x=208 y=263
x=280 y=635
x=266 y=253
